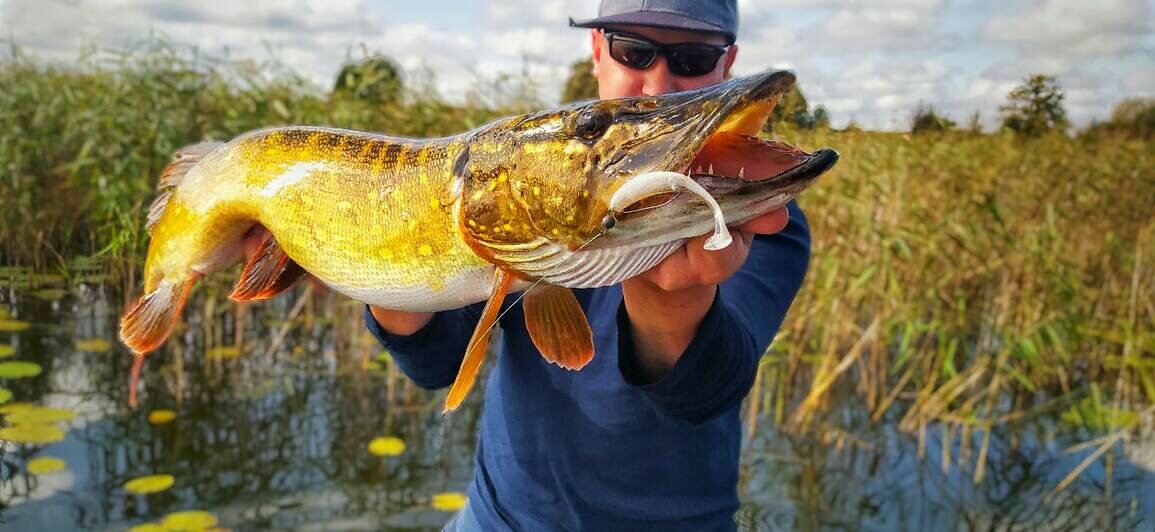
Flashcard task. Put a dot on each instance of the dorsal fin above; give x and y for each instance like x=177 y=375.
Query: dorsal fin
x=558 y=326
x=182 y=161
x=478 y=343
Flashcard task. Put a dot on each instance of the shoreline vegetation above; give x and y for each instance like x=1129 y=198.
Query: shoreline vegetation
x=959 y=280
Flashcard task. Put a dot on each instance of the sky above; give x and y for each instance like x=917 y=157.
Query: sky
x=871 y=61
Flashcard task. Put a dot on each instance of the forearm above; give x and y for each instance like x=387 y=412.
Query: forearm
x=428 y=348
x=399 y=322
x=662 y=323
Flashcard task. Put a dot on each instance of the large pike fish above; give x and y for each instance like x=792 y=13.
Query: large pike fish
x=583 y=195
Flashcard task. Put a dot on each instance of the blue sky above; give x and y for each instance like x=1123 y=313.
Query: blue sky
x=873 y=61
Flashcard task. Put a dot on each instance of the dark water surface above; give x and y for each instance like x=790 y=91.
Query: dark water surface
x=277 y=438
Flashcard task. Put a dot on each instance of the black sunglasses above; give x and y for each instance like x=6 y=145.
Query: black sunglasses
x=690 y=59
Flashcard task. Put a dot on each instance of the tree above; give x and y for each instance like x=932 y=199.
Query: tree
x=821 y=118
x=581 y=84
x=1133 y=117
x=927 y=120
x=376 y=79
x=792 y=108
x=1035 y=107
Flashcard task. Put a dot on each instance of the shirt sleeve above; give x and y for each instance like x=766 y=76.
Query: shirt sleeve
x=432 y=355
x=718 y=368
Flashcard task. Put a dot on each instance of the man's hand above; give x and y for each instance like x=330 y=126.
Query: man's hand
x=666 y=303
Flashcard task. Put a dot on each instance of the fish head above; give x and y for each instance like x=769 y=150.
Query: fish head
x=565 y=194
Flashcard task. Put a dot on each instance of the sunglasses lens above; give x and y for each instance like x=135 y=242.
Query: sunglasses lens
x=631 y=53
x=693 y=61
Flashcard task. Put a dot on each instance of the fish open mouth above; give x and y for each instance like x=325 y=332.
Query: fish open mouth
x=718 y=155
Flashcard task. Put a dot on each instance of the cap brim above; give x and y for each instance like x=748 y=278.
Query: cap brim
x=652 y=19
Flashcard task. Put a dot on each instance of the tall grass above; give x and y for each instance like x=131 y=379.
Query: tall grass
x=81 y=145
x=972 y=279
x=976 y=279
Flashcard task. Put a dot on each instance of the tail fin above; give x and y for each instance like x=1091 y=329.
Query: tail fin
x=148 y=324
x=183 y=161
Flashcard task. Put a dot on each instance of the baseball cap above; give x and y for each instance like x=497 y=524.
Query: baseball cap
x=717 y=16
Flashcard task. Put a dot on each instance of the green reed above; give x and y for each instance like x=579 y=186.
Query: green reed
x=82 y=145
x=976 y=279
x=970 y=279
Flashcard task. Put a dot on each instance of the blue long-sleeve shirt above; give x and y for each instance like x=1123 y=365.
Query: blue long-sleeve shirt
x=596 y=449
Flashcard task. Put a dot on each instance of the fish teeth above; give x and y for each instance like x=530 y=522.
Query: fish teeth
x=711 y=171
x=742 y=172
x=698 y=170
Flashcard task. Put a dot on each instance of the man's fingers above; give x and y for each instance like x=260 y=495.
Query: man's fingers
x=769 y=223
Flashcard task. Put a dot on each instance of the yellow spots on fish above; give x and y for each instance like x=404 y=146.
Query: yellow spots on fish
x=569 y=217
x=471 y=223
x=554 y=231
x=537 y=191
x=425 y=250
x=398 y=195
x=344 y=205
x=492 y=186
x=423 y=178
x=507 y=227
x=585 y=194
x=434 y=204
x=477 y=195
x=502 y=177
x=575 y=148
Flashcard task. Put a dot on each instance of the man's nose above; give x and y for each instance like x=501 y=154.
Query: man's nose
x=658 y=80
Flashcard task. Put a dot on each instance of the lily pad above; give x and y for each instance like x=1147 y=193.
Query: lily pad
x=189 y=520
x=450 y=501
x=7 y=325
x=50 y=294
x=387 y=446
x=16 y=407
x=149 y=484
x=94 y=345
x=19 y=369
x=39 y=415
x=7 y=350
x=223 y=353
x=5 y=395
x=373 y=365
x=45 y=465
x=148 y=527
x=160 y=417
x=37 y=434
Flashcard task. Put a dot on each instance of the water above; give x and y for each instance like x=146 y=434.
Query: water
x=277 y=439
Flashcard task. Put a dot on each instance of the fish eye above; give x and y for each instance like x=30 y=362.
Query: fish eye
x=592 y=123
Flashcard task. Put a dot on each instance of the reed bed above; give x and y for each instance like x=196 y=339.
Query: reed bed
x=958 y=280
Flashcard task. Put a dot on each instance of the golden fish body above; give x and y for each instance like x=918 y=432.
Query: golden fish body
x=370 y=216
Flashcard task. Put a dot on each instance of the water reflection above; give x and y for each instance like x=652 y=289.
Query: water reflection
x=276 y=439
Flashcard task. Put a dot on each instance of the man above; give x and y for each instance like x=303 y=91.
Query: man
x=647 y=436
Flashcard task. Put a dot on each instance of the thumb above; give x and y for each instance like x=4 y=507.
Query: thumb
x=768 y=223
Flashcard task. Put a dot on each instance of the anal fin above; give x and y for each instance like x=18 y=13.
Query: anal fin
x=478 y=343
x=558 y=326
x=269 y=272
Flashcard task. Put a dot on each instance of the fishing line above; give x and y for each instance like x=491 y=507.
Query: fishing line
x=469 y=349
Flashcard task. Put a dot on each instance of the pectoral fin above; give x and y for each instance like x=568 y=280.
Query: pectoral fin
x=269 y=272
x=558 y=327
x=475 y=352
x=148 y=324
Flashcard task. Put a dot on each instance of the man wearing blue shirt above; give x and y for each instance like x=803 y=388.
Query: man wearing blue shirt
x=647 y=436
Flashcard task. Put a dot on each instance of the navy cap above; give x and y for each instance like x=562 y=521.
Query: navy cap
x=716 y=16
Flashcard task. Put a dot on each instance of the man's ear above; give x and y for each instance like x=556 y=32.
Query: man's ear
x=731 y=55
x=596 y=43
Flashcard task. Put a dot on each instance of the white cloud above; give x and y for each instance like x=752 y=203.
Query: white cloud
x=874 y=60
x=1075 y=28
